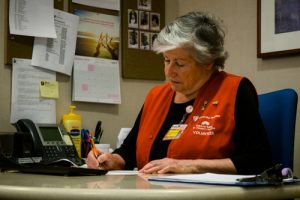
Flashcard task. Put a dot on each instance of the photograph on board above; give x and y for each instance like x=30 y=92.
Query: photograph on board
x=144 y=4
x=133 y=39
x=144 y=40
x=144 y=20
x=133 y=18
x=98 y=35
x=153 y=36
x=155 y=21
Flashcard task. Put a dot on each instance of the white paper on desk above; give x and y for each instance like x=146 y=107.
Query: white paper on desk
x=25 y=100
x=96 y=80
x=123 y=172
x=57 y=54
x=32 y=18
x=108 y=4
x=206 y=178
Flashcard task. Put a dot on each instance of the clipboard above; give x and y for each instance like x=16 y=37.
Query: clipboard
x=224 y=179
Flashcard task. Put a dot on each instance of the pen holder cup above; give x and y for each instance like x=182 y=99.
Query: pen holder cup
x=103 y=147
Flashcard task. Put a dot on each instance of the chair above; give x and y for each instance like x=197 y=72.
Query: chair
x=278 y=111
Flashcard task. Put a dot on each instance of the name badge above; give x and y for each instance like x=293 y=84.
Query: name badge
x=175 y=131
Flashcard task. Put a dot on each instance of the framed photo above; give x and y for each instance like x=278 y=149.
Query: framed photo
x=278 y=27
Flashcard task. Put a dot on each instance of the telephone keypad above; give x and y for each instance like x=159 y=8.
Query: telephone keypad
x=55 y=152
x=51 y=153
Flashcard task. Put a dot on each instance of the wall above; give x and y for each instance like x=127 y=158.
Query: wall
x=240 y=19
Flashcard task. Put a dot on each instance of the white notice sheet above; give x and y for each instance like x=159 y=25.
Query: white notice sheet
x=96 y=80
x=57 y=54
x=32 y=18
x=25 y=100
x=108 y=4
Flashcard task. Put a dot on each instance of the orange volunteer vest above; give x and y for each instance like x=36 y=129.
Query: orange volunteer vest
x=210 y=125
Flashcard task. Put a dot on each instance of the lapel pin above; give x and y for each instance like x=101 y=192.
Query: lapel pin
x=215 y=103
x=204 y=105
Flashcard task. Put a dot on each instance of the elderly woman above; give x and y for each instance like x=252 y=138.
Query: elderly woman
x=203 y=119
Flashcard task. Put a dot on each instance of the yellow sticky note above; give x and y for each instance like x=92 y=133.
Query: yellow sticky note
x=49 y=89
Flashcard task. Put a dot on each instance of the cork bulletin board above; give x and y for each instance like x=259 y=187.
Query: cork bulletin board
x=138 y=61
x=141 y=22
x=20 y=46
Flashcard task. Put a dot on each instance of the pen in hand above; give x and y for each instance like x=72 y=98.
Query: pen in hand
x=96 y=152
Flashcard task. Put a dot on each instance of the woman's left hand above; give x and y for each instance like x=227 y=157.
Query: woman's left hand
x=167 y=165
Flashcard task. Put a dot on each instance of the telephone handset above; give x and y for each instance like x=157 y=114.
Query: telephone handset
x=27 y=126
x=50 y=142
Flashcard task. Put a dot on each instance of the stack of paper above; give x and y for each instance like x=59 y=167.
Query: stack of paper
x=206 y=178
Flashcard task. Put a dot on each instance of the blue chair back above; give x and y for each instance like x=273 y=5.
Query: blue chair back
x=278 y=111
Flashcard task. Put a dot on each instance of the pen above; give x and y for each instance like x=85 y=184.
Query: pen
x=98 y=131
x=95 y=150
x=100 y=135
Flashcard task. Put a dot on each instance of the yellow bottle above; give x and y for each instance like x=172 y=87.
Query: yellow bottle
x=72 y=120
x=72 y=123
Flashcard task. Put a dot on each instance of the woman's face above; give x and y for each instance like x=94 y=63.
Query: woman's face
x=184 y=73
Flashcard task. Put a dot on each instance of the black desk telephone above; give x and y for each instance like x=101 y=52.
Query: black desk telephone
x=49 y=145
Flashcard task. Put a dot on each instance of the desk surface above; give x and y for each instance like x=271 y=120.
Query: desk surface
x=35 y=186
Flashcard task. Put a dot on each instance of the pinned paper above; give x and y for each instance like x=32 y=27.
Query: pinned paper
x=49 y=89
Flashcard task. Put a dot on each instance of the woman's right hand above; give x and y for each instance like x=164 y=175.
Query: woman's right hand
x=105 y=161
x=92 y=161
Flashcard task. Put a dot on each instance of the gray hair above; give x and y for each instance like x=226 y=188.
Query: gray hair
x=199 y=32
